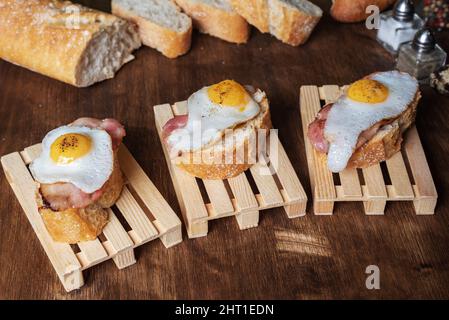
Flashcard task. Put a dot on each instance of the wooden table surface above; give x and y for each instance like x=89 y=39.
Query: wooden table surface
x=304 y=258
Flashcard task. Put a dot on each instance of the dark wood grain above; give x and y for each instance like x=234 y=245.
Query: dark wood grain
x=325 y=257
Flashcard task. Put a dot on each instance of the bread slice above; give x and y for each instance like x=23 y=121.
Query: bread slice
x=221 y=150
x=44 y=36
x=217 y=18
x=387 y=140
x=291 y=21
x=161 y=23
x=355 y=10
x=75 y=225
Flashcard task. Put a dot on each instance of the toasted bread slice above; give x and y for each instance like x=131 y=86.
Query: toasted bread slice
x=217 y=18
x=387 y=140
x=161 y=23
x=203 y=163
x=75 y=225
x=291 y=21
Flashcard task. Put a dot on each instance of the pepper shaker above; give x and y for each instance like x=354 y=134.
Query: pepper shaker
x=398 y=26
x=421 y=57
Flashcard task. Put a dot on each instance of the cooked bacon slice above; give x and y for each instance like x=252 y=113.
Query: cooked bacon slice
x=62 y=196
x=174 y=123
x=112 y=126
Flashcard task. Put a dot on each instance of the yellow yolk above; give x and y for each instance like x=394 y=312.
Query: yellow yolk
x=228 y=93
x=70 y=147
x=368 y=91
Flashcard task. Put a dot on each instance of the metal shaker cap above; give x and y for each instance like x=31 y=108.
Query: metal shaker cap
x=404 y=10
x=424 y=40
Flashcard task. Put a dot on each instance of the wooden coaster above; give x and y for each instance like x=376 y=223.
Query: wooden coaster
x=234 y=196
x=405 y=177
x=148 y=216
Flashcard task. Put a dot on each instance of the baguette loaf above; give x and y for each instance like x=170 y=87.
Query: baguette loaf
x=291 y=21
x=68 y=42
x=355 y=10
x=217 y=18
x=220 y=150
x=162 y=25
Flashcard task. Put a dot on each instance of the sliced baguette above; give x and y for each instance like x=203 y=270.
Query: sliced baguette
x=387 y=140
x=291 y=21
x=217 y=18
x=161 y=23
x=241 y=136
x=75 y=225
x=47 y=37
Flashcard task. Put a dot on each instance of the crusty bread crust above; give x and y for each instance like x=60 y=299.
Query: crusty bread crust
x=254 y=11
x=355 y=10
x=34 y=35
x=206 y=169
x=226 y=25
x=287 y=23
x=77 y=225
x=387 y=140
x=291 y=26
x=170 y=43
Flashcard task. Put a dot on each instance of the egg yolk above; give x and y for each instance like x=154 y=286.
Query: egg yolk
x=70 y=147
x=368 y=91
x=228 y=93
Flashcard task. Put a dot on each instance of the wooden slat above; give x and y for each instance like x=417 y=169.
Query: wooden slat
x=31 y=153
x=180 y=108
x=146 y=190
x=266 y=184
x=321 y=178
x=187 y=190
x=418 y=165
x=136 y=217
x=402 y=188
x=243 y=194
x=93 y=251
x=349 y=178
x=61 y=255
x=374 y=182
x=284 y=170
x=218 y=197
x=118 y=238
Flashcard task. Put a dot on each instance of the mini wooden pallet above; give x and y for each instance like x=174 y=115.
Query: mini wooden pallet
x=408 y=171
x=234 y=196
x=142 y=206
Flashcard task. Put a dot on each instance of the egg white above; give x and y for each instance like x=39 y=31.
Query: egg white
x=88 y=173
x=347 y=118
x=207 y=121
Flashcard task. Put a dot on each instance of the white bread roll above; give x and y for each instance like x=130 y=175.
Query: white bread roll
x=162 y=25
x=68 y=42
x=217 y=18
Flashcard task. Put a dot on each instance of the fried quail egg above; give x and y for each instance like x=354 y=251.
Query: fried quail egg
x=211 y=111
x=78 y=155
x=380 y=96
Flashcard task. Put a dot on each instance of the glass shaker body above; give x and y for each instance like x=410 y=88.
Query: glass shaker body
x=420 y=64
x=392 y=33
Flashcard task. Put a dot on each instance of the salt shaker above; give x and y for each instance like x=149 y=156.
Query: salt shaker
x=398 y=25
x=421 y=57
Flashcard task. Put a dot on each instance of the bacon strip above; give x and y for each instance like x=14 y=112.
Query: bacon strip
x=62 y=196
x=174 y=123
